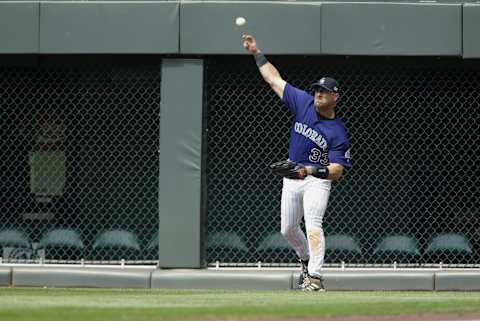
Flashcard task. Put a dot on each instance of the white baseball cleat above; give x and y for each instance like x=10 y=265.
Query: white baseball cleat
x=312 y=284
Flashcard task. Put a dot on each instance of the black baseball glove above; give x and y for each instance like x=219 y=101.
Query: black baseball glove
x=294 y=170
x=289 y=169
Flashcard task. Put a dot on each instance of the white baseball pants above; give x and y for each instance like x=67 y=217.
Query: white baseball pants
x=306 y=198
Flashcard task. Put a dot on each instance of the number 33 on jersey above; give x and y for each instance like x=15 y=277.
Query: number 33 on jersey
x=315 y=140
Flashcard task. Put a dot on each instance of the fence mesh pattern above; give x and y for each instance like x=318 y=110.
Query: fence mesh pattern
x=79 y=165
x=412 y=196
x=80 y=154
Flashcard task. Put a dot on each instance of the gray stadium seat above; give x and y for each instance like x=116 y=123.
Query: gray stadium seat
x=116 y=245
x=274 y=241
x=13 y=238
x=62 y=238
x=152 y=247
x=153 y=243
x=400 y=248
x=225 y=246
x=341 y=247
x=448 y=248
x=273 y=247
x=62 y=244
x=226 y=239
x=14 y=245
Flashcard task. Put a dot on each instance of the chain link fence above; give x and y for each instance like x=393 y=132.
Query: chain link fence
x=80 y=155
x=79 y=165
x=412 y=196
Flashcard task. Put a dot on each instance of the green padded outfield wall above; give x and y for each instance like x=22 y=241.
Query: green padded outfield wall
x=103 y=27
x=280 y=28
x=392 y=29
x=18 y=27
x=180 y=163
x=207 y=27
x=471 y=28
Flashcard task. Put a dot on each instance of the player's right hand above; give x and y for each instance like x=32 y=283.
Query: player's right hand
x=250 y=44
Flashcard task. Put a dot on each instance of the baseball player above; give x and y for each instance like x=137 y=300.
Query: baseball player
x=319 y=152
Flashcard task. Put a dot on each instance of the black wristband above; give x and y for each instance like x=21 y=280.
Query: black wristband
x=260 y=59
x=320 y=172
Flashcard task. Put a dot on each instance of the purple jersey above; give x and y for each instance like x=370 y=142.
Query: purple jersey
x=314 y=140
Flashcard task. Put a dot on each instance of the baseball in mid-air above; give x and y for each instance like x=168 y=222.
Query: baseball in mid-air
x=240 y=21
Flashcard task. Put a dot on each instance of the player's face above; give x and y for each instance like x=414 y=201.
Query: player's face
x=324 y=98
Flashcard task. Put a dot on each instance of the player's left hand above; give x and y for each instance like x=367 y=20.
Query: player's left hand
x=289 y=169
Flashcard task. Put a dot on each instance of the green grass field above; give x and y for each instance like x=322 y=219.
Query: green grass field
x=153 y=304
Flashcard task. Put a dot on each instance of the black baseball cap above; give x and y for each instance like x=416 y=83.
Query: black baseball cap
x=327 y=83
